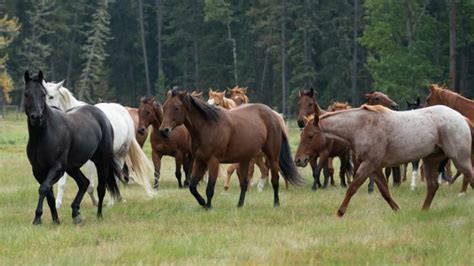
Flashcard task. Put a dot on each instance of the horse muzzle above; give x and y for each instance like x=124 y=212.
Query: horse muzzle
x=36 y=120
x=301 y=162
x=165 y=132
x=394 y=107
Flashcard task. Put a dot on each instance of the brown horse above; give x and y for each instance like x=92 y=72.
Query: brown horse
x=381 y=138
x=338 y=106
x=313 y=142
x=239 y=95
x=178 y=145
x=229 y=136
x=307 y=106
x=442 y=96
x=218 y=99
x=141 y=138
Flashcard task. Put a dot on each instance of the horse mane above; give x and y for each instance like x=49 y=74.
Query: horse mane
x=210 y=112
x=448 y=95
x=374 y=108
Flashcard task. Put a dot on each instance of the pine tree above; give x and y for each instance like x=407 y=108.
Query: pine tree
x=9 y=29
x=94 y=54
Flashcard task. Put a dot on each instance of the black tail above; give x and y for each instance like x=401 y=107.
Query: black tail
x=111 y=184
x=287 y=165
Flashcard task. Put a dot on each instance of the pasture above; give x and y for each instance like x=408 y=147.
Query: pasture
x=172 y=229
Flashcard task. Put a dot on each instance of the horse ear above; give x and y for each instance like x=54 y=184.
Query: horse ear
x=367 y=95
x=40 y=75
x=245 y=90
x=418 y=101
x=210 y=92
x=300 y=93
x=27 y=76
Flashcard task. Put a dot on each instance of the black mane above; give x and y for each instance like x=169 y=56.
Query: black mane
x=210 y=112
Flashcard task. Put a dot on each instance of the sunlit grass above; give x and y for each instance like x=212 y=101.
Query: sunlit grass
x=172 y=228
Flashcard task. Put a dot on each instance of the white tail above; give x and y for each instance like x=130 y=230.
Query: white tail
x=140 y=167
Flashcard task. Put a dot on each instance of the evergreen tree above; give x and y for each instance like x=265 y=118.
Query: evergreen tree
x=92 y=83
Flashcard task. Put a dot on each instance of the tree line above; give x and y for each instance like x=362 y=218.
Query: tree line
x=119 y=50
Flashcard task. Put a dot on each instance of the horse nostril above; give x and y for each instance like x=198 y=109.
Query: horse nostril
x=306 y=161
x=165 y=132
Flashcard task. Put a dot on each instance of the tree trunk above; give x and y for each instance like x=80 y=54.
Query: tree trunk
x=464 y=65
x=355 y=98
x=452 y=46
x=145 y=58
x=234 y=50
x=284 y=80
x=158 y=38
x=71 y=49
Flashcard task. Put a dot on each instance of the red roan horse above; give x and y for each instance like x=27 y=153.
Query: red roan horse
x=229 y=136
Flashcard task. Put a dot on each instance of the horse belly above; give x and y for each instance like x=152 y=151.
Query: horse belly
x=397 y=154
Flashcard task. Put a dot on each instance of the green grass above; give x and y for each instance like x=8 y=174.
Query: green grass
x=172 y=229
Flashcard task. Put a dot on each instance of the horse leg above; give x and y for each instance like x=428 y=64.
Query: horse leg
x=83 y=184
x=45 y=188
x=323 y=161
x=363 y=171
x=250 y=172
x=90 y=174
x=396 y=176
x=404 y=172
x=244 y=180
x=383 y=188
x=61 y=186
x=213 y=170
x=187 y=166
x=263 y=171
x=230 y=171
x=430 y=165
x=314 y=167
x=274 y=168
x=466 y=169
x=199 y=168
x=178 y=159
x=330 y=169
x=370 y=187
x=388 y=172
x=126 y=173
x=52 y=206
x=414 y=173
x=156 y=157
x=343 y=170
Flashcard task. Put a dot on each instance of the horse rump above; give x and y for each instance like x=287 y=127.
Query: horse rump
x=287 y=165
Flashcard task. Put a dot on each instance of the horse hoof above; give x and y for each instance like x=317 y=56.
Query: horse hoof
x=77 y=219
x=462 y=194
x=340 y=213
x=314 y=188
x=226 y=188
x=276 y=205
x=413 y=188
x=58 y=205
x=37 y=221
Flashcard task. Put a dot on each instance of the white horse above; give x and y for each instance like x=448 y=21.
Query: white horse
x=126 y=148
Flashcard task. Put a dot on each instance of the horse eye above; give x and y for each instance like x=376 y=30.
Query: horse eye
x=50 y=97
x=377 y=98
x=176 y=109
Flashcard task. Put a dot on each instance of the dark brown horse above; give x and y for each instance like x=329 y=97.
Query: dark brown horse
x=307 y=106
x=229 y=136
x=141 y=138
x=313 y=142
x=178 y=145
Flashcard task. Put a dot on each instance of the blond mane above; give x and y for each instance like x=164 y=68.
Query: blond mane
x=375 y=108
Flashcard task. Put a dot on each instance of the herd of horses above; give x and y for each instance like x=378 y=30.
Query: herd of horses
x=67 y=135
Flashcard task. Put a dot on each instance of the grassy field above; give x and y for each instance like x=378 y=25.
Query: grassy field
x=172 y=229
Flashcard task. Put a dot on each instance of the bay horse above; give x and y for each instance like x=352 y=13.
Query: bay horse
x=178 y=145
x=218 y=99
x=443 y=96
x=239 y=95
x=307 y=106
x=60 y=142
x=239 y=98
x=313 y=142
x=219 y=136
x=141 y=138
x=382 y=138
x=126 y=148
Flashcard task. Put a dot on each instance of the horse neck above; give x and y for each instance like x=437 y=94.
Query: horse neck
x=319 y=111
x=341 y=126
x=195 y=122
x=68 y=101
x=460 y=104
x=156 y=123
x=228 y=103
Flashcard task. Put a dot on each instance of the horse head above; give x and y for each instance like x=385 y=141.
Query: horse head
x=55 y=97
x=375 y=98
x=149 y=112
x=306 y=105
x=414 y=105
x=238 y=95
x=35 y=99
x=216 y=98
x=435 y=95
x=312 y=141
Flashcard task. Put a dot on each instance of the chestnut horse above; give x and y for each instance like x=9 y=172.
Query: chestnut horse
x=307 y=106
x=229 y=136
x=439 y=95
x=381 y=138
x=198 y=94
x=313 y=142
x=239 y=95
x=178 y=145
x=218 y=99
x=141 y=138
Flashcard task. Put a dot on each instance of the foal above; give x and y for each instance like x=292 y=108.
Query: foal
x=60 y=142
x=177 y=146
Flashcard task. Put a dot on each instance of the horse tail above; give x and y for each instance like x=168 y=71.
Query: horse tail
x=140 y=167
x=111 y=183
x=287 y=165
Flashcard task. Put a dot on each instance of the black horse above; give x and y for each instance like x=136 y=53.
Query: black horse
x=62 y=142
